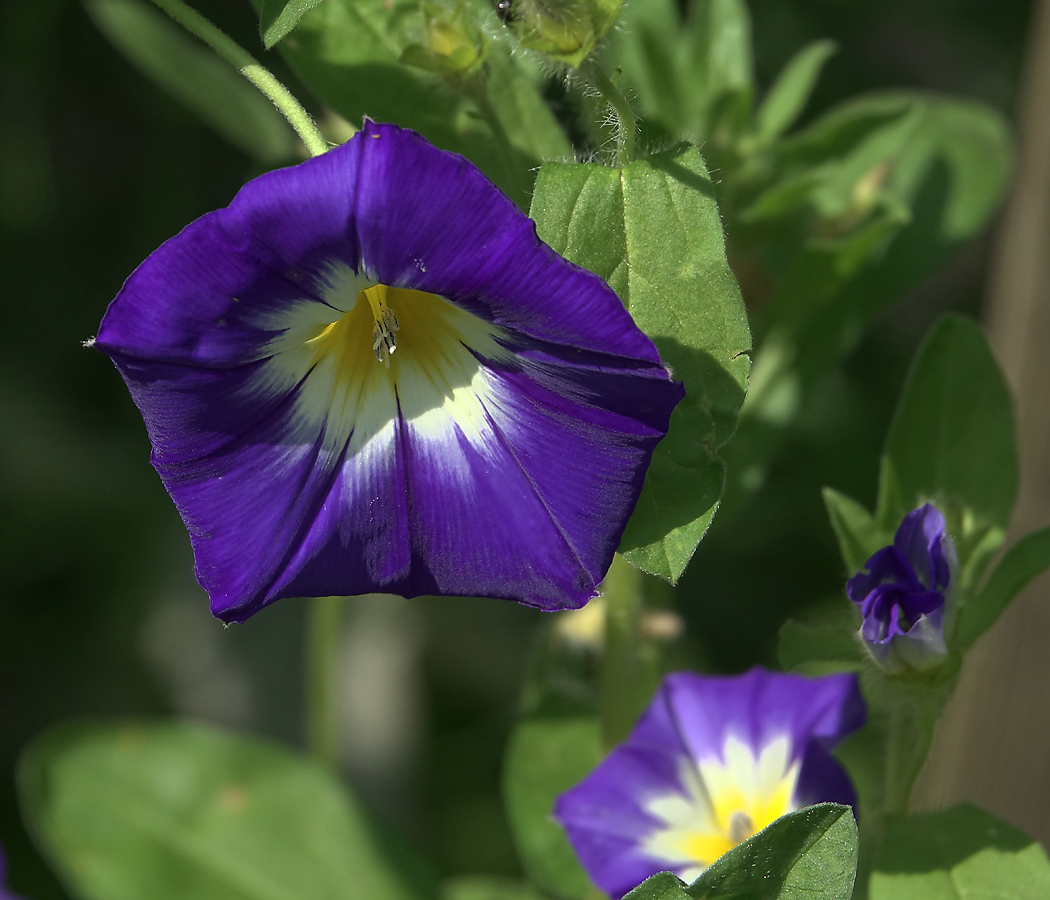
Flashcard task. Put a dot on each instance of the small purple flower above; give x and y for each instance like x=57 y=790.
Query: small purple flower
x=498 y=452
x=904 y=595
x=711 y=761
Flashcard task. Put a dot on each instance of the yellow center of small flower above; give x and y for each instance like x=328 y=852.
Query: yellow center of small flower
x=727 y=801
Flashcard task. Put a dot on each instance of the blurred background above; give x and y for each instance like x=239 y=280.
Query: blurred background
x=99 y=610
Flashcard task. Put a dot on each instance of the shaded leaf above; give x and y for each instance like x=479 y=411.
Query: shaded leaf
x=962 y=853
x=174 y=810
x=1025 y=560
x=278 y=17
x=544 y=758
x=811 y=853
x=858 y=533
x=791 y=91
x=192 y=73
x=652 y=230
x=487 y=887
x=952 y=436
x=815 y=650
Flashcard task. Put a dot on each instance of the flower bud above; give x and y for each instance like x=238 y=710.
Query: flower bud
x=451 y=46
x=564 y=30
x=904 y=595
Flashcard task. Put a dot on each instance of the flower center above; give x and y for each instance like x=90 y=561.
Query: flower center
x=383 y=341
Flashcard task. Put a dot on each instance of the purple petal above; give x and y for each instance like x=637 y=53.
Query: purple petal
x=760 y=706
x=507 y=468
x=822 y=779
x=918 y=540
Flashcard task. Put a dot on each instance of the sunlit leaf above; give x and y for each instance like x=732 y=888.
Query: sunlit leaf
x=652 y=230
x=278 y=17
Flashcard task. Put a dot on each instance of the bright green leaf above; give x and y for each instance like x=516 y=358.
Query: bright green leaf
x=790 y=92
x=196 y=77
x=859 y=535
x=278 y=17
x=652 y=230
x=1026 y=559
x=544 y=758
x=952 y=437
x=170 y=811
x=806 y=855
x=962 y=853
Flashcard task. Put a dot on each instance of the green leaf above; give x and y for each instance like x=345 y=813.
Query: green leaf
x=807 y=854
x=1026 y=559
x=952 y=436
x=544 y=758
x=816 y=650
x=487 y=887
x=858 y=533
x=727 y=36
x=189 y=71
x=661 y=886
x=790 y=92
x=348 y=52
x=278 y=17
x=652 y=230
x=173 y=810
x=962 y=853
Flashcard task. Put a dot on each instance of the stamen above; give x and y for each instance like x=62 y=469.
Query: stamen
x=383 y=341
x=740 y=827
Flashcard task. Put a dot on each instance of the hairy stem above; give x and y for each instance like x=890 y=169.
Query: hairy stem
x=624 y=113
x=247 y=65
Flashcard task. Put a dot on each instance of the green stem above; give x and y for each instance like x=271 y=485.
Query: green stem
x=621 y=667
x=322 y=650
x=247 y=65
x=476 y=89
x=624 y=113
x=908 y=740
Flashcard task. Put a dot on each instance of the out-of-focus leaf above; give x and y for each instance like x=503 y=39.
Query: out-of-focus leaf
x=952 y=437
x=278 y=17
x=170 y=811
x=790 y=92
x=817 y=650
x=859 y=535
x=487 y=887
x=652 y=230
x=1026 y=559
x=804 y=855
x=349 y=53
x=962 y=853
x=681 y=69
x=196 y=77
x=544 y=758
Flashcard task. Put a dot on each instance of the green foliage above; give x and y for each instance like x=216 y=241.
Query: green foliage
x=810 y=854
x=278 y=17
x=545 y=757
x=792 y=89
x=952 y=438
x=196 y=77
x=1026 y=559
x=652 y=230
x=484 y=887
x=858 y=533
x=349 y=52
x=958 y=854
x=814 y=650
x=173 y=810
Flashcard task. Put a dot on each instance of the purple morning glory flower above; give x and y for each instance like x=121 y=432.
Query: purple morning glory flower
x=904 y=594
x=711 y=761
x=368 y=374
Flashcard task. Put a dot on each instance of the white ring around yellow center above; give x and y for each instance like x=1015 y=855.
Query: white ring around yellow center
x=351 y=384
x=726 y=801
